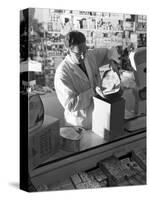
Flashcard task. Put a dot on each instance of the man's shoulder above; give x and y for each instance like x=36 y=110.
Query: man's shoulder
x=62 y=66
x=98 y=49
x=62 y=69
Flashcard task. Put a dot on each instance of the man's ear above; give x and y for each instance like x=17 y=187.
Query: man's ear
x=67 y=50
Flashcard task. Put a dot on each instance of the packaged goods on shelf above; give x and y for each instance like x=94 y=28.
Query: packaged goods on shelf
x=98 y=174
x=92 y=23
x=141 y=18
x=141 y=27
x=140 y=157
x=126 y=163
x=66 y=23
x=118 y=16
x=76 y=179
x=113 y=169
x=102 y=29
x=128 y=25
x=84 y=176
x=54 y=38
x=141 y=40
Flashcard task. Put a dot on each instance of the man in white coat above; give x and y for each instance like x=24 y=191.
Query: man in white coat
x=77 y=77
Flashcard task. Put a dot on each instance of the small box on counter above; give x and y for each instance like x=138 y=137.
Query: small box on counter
x=89 y=184
x=113 y=170
x=140 y=157
x=84 y=176
x=132 y=180
x=141 y=179
x=85 y=180
x=76 y=179
x=43 y=142
x=108 y=117
x=98 y=175
x=127 y=166
x=70 y=138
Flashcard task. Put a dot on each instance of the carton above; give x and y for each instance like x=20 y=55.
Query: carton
x=108 y=117
x=43 y=142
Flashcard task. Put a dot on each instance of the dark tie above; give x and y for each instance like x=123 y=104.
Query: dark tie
x=83 y=68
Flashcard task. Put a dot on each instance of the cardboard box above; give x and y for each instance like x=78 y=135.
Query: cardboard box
x=108 y=117
x=97 y=174
x=43 y=142
x=140 y=157
x=113 y=169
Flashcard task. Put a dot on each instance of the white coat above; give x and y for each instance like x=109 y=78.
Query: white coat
x=75 y=90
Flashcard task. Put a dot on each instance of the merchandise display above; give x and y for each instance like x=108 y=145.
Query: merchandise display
x=101 y=30
x=112 y=171
x=82 y=99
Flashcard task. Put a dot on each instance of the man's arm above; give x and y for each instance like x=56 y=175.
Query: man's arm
x=106 y=56
x=67 y=95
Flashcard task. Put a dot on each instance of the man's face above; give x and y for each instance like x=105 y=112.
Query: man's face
x=77 y=53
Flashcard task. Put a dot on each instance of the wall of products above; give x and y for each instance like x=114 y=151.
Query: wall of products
x=101 y=30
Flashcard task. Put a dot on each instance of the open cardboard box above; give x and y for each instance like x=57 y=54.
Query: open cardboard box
x=108 y=117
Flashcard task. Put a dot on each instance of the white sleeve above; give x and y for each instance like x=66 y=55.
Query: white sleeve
x=67 y=95
x=113 y=54
x=104 y=55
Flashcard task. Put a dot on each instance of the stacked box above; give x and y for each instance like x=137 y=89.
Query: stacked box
x=140 y=173
x=138 y=170
x=43 y=142
x=89 y=182
x=55 y=186
x=98 y=175
x=140 y=157
x=81 y=186
x=124 y=183
x=131 y=180
x=82 y=180
x=76 y=179
x=42 y=188
x=141 y=179
x=113 y=170
x=63 y=185
x=66 y=184
x=88 y=185
x=84 y=176
x=134 y=174
x=126 y=165
x=108 y=117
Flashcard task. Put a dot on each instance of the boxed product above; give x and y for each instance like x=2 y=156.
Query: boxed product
x=43 y=142
x=108 y=117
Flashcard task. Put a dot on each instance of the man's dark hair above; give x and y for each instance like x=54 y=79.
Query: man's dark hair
x=74 y=38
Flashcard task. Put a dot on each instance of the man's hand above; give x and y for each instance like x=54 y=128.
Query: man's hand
x=114 y=66
x=99 y=92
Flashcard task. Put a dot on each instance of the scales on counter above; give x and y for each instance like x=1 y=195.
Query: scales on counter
x=135 y=118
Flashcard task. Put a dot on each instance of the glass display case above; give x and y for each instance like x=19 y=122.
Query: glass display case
x=48 y=161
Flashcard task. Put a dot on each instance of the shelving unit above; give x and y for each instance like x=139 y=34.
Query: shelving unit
x=100 y=28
